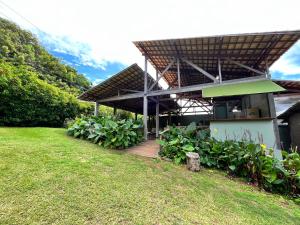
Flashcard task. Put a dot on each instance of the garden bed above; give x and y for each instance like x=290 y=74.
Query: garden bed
x=246 y=159
x=108 y=131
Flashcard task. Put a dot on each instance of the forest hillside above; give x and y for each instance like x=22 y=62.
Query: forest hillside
x=36 y=89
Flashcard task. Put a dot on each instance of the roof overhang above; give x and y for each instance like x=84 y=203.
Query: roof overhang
x=247 y=88
x=256 y=50
x=292 y=87
x=240 y=58
x=292 y=110
x=129 y=81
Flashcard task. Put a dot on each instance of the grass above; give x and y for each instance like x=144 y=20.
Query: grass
x=47 y=177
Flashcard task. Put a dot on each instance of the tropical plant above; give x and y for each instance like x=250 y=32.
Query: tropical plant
x=107 y=131
x=36 y=89
x=245 y=159
x=176 y=142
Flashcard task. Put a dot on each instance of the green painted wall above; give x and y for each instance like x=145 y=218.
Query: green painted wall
x=259 y=131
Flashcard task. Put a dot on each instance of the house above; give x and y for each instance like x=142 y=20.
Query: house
x=292 y=118
x=223 y=80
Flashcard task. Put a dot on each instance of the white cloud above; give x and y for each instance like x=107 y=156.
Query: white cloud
x=97 y=81
x=286 y=64
x=68 y=46
x=109 y=27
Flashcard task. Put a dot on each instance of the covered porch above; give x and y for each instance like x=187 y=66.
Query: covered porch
x=195 y=70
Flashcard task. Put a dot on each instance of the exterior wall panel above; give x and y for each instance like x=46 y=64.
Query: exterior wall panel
x=259 y=131
x=294 y=123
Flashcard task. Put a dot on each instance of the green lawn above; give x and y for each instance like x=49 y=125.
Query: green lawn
x=47 y=177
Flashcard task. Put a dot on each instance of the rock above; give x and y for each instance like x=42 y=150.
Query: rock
x=166 y=159
x=193 y=161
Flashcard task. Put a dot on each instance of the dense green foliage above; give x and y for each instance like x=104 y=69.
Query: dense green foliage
x=35 y=88
x=239 y=158
x=26 y=100
x=107 y=131
x=176 y=142
x=20 y=47
x=120 y=113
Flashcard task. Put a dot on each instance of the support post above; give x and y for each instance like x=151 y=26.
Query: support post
x=96 y=110
x=178 y=73
x=169 y=119
x=145 y=108
x=115 y=110
x=277 y=152
x=268 y=74
x=157 y=119
x=136 y=116
x=220 y=71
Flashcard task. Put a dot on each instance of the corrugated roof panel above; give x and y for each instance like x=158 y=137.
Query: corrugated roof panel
x=250 y=49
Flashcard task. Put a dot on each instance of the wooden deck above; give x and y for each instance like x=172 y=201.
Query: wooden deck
x=147 y=149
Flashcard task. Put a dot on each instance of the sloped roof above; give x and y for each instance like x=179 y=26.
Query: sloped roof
x=292 y=110
x=129 y=80
x=253 y=49
x=291 y=86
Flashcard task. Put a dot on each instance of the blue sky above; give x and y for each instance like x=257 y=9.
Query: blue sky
x=287 y=67
x=93 y=73
x=62 y=48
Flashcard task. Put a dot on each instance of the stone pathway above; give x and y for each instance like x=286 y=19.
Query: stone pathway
x=148 y=149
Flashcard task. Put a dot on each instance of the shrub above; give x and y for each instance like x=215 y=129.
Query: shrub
x=176 y=142
x=108 y=132
x=26 y=100
x=240 y=158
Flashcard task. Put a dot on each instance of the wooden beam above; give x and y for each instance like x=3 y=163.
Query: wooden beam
x=130 y=90
x=162 y=74
x=200 y=70
x=122 y=97
x=199 y=87
x=246 y=67
x=190 y=88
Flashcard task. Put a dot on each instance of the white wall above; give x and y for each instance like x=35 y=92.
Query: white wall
x=259 y=131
